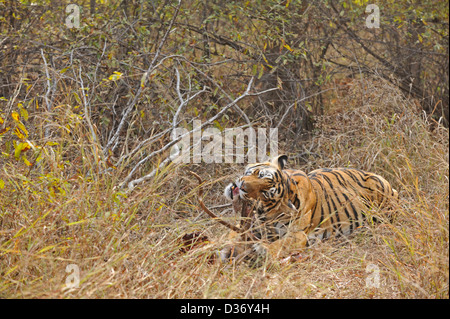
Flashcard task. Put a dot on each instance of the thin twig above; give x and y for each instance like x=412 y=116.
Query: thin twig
x=47 y=101
x=87 y=113
x=298 y=101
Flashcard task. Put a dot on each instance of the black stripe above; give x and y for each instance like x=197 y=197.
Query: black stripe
x=277 y=176
x=327 y=179
x=340 y=204
x=297 y=202
x=299 y=174
x=270 y=207
x=330 y=213
x=379 y=181
x=336 y=213
x=349 y=173
x=362 y=174
x=314 y=211
x=338 y=176
x=321 y=213
x=355 y=213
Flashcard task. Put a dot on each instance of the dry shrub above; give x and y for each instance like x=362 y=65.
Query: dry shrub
x=128 y=245
x=376 y=128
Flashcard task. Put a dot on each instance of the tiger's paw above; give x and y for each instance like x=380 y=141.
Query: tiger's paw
x=226 y=255
x=258 y=255
x=259 y=250
x=254 y=255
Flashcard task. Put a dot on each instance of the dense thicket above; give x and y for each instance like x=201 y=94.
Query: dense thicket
x=303 y=48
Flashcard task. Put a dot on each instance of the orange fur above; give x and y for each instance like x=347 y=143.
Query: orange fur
x=293 y=207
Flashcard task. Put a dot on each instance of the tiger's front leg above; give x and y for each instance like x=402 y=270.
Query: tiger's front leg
x=292 y=243
x=258 y=253
x=232 y=252
x=239 y=252
x=294 y=240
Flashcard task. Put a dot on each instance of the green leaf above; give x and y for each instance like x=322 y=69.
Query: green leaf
x=261 y=72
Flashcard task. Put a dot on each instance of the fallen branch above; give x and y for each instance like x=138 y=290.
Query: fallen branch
x=210 y=213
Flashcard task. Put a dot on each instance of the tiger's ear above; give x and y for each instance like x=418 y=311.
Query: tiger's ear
x=280 y=161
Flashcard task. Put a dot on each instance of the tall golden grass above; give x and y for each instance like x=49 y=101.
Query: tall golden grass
x=127 y=245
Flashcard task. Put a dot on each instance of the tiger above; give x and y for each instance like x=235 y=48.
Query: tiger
x=291 y=209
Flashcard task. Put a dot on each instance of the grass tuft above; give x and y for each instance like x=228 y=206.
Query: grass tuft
x=64 y=212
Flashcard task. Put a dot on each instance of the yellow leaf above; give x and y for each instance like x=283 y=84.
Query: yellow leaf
x=2 y=184
x=77 y=97
x=3 y=131
x=24 y=113
x=143 y=78
x=288 y=47
x=52 y=143
x=18 y=133
x=18 y=150
x=420 y=38
x=254 y=70
x=25 y=147
x=27 y=162
x=15 y=116
x=115 y=76
x=22 y=128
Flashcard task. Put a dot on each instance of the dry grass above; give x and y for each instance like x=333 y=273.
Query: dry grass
x=128 y=246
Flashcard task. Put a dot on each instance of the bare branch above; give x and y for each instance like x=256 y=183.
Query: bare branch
x=183 y=102
x=143 y=83
x=298 y=101
x=132 y=184
x=87 y=111
x=209 y=212
x=46 y=98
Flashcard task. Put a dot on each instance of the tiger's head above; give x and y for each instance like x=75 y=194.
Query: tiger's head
x=263 y=183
